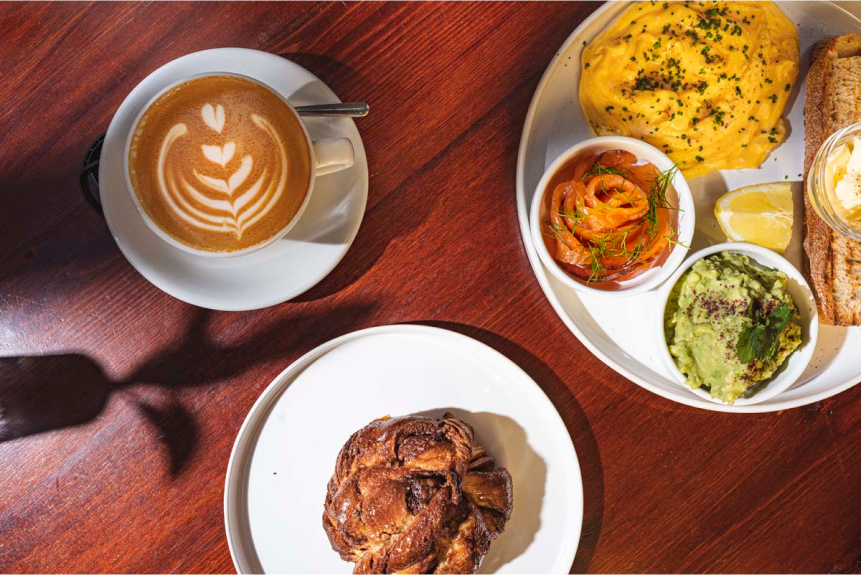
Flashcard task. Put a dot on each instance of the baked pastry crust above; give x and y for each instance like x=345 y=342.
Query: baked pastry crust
x=416 y=495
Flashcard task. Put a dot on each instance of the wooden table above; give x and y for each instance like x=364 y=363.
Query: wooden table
x=120 y=416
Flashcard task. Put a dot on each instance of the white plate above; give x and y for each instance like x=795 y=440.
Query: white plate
x=285 y=451
x=278 y=272
x=555 y=122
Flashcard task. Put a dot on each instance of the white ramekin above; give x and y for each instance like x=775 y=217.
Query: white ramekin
x=645 y=153
x=801 y=294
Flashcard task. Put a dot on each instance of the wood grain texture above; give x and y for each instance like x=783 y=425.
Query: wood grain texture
x=121 y=403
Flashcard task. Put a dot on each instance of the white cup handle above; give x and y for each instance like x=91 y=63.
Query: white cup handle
x=333 y=155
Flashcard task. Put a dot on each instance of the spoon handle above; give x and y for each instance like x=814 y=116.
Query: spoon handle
x=349 y=109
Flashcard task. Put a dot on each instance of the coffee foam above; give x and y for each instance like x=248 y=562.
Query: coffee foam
x=220 y=163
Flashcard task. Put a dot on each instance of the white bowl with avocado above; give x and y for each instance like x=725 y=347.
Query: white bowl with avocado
x=740 y=328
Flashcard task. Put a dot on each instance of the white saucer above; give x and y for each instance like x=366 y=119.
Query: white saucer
x=285 y=452
x=278 y=272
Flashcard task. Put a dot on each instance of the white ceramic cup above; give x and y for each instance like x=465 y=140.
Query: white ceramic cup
x=328 y=155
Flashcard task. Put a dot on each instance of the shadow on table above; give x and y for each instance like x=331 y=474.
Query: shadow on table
x=394 y=216
x=576 y=422
x=340 y=77
x=50 y=392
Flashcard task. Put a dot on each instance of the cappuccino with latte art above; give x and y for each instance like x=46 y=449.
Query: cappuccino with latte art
x=220 y=163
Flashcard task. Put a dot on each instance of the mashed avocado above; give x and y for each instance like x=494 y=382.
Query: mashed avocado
x=730 y=324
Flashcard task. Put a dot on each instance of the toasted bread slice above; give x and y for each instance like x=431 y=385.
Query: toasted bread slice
x=833 y=101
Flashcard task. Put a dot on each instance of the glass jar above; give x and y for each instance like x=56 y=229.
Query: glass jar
x=821 y=185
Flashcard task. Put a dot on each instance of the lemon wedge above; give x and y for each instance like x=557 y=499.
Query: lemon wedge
x=760 y=214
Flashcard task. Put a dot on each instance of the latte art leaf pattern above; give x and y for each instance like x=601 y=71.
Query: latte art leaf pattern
x=219 y=154
x=230 y=198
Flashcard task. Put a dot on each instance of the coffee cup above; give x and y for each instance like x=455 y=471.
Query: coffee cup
x=254 y=186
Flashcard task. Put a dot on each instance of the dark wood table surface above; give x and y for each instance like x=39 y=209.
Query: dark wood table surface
x=120 y=405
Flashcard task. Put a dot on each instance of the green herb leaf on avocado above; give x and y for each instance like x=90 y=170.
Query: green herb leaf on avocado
x=780 y=317
x=761 y=339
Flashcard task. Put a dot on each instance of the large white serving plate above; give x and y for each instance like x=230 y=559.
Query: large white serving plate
x=285 y=452
x=618 y=330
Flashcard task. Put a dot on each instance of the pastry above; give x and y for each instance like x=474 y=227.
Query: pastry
x=416 y=495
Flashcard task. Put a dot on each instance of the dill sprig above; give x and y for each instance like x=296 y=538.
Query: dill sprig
x=670 y=240
x=556 y=232
x=599 y=170
x=574 y=216
x=658 y=199
x=596 y=265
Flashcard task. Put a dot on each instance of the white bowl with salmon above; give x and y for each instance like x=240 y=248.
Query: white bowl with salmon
x=612 y=216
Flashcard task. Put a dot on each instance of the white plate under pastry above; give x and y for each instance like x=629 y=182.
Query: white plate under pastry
x=555 y=122
x=285 y=451
x=277 y=272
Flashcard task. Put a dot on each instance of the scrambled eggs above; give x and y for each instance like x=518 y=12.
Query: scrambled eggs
x=706 y=82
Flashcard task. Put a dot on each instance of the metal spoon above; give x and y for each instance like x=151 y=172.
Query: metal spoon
x=348 y=109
